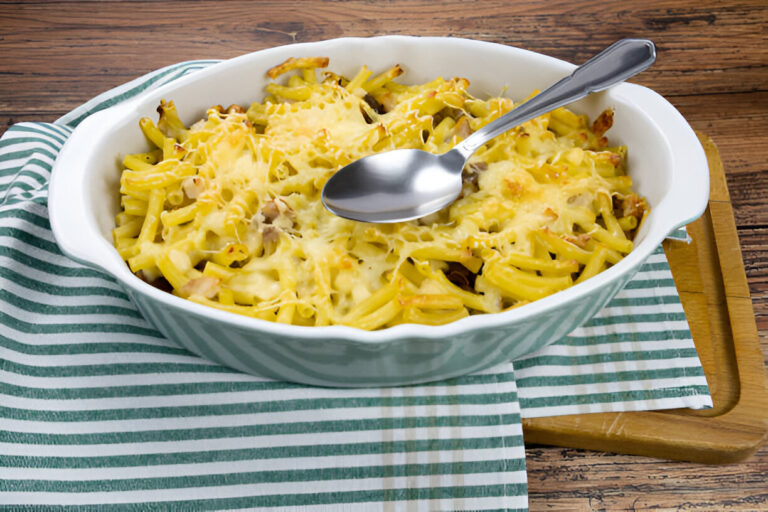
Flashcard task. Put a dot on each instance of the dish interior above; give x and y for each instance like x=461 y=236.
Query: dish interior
x=492 y=70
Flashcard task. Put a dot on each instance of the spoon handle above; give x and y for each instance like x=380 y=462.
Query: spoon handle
x=621 y=60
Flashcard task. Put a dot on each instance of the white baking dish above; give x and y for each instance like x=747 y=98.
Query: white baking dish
x=666 y=162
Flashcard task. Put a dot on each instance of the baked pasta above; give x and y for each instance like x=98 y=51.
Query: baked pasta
x=227 y=212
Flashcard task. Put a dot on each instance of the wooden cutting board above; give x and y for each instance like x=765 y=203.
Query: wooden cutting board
x=709 y=274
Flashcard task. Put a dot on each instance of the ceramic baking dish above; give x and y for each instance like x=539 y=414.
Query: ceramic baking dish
x=666 y=162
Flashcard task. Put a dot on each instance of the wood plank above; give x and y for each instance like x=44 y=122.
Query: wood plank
x=102 y=44
x=565 y=479
x=712 y=66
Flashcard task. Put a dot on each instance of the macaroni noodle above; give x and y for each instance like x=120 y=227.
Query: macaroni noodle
x=227 y=212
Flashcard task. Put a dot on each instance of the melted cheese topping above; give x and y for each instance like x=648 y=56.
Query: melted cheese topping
x=228 y=212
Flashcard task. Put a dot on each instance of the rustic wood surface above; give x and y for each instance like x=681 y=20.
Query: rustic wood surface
x=712 y=65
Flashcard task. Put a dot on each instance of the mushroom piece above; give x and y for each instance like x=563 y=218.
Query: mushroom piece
x=205 y=286
x=193 y=186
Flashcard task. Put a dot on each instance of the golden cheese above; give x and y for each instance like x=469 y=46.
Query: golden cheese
x=228 y=211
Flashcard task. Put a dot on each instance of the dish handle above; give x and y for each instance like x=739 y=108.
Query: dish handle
x=689 y=180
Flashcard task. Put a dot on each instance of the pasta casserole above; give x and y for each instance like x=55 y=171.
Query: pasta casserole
x=227 y=212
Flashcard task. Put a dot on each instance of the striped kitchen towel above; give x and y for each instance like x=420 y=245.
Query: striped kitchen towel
x=99 y=411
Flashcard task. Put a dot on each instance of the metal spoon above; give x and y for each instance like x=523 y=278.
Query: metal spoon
x=406 y=184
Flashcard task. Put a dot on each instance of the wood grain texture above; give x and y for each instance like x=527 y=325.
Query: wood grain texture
x=713 y=66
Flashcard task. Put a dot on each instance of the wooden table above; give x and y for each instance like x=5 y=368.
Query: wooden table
x=712 y=65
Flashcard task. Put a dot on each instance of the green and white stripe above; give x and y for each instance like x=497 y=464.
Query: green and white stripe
x=97 y=410
x=636 y=354
x=241 y=441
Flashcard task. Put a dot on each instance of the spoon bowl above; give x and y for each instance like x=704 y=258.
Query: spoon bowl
x=406 y=184
x=390 y=189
